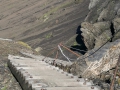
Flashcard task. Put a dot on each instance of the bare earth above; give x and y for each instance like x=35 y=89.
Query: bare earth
x=7 y=80
x=40 y=23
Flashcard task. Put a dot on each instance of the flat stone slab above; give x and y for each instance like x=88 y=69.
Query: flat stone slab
x=34 y=74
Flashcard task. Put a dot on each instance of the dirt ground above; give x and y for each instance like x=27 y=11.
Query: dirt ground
x=41 y=23
x=7 y=80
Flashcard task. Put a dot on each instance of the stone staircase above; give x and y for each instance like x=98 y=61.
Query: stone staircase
x=35 y=74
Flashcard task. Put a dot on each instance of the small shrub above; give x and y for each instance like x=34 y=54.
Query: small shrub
x=24 y=44
x=4 y=88
x=49 y=36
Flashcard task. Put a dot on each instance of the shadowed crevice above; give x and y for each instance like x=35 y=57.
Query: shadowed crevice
x=112 y=31
x=81 y=48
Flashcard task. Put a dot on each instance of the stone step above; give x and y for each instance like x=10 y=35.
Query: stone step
x=48 y=59
x=39 y=75
x=67 y=88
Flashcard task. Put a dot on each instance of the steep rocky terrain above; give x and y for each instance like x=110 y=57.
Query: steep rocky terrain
x=102 y=23
x=100 y=32
x=100 y=27
x=43 y=24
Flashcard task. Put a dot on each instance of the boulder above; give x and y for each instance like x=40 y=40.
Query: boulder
x=108 y=13
x=77 y=68
x=101 y=27
x=118 y=12
x=88 y=34
x=95 y=34
x=117 y=8
x=93 y=3
x=103 y=38
x=101 y=23
x=103 y=10
x=116 y=23
x=94 y=13
x=116 y=36
x=97 y=61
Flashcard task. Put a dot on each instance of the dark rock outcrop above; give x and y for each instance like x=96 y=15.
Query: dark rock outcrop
x=102 y=23
x=101 y=35
x=95 y=34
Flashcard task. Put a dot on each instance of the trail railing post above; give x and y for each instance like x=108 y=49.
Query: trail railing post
x=69 y=50
x=114 y=77
x=50 y=53
x=55 y=57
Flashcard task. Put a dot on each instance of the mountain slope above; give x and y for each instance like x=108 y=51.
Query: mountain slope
x=41 y=23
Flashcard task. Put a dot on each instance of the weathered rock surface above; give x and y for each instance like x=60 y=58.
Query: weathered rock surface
x=87 y=32
x=93 y=3
x=101 y=26
x=94 y=13
x=108 y=13
x=95 y=34
x=102 y=23
x=95 y=62
x=116 y=23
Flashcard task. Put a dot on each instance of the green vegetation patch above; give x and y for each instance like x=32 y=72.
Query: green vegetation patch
x=4 y=88
x=46 y=15
x=49 y=35
x=24 y=44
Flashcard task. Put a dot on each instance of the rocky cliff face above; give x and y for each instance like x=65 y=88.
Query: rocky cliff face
x=101 y=34
x=100 y=61
x=102 y=23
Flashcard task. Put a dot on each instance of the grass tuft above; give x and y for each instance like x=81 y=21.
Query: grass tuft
x=24 y=44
